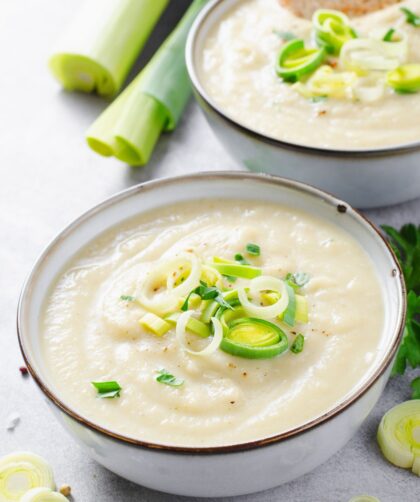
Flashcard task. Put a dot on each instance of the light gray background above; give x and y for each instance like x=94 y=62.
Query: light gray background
x=48 y=177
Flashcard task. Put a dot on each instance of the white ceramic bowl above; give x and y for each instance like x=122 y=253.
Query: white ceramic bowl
x=239 y=468
x=365 y=178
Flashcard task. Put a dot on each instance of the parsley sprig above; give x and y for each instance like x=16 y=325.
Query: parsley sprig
x=406 y=245
x=206 y=292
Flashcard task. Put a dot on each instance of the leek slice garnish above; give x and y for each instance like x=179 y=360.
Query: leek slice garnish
x=298 y=343
x=210 y=307
x=294 y=60
x=211 y=276
x=206 y=293
x=289 y=314
x=369 y=89
x=332 y=29
x=326 y=82
x=130 y=127
x=155 y=324
x=194 y=325
x=411 y=17
x=168 y=379
x=43 y=494
x=302 y=310
x=253 y=338
x=253 y=332
x=181 y=332
x=256 y=287
x=21 y=472
x=399 y=435
x=107 y=390
x=405 y=79
x=158 y=293
x=99 y=48
x=227 y=316
x=367 y=54
x=237 y=270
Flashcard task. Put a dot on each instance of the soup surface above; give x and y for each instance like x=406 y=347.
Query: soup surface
x=91 y=334
x=237 y=69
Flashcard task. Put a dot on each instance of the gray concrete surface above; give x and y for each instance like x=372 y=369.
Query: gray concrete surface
x=48 y=177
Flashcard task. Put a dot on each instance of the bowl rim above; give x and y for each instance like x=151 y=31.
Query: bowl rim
x=341 y=206
x=200 y=92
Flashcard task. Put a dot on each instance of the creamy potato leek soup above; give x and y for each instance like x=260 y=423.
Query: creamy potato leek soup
x=213 y=323
x=329 y=82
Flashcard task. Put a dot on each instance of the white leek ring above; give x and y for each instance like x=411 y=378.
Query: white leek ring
x=22 y=471
x=181 y=334
x=365 y=54
x=264 y=283
x=399 y=435
x=43 y=495
x=369 y=89
x=167 y=300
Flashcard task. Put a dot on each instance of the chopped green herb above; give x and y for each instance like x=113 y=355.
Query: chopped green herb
x=411 y=17
x=127 y=298
x=253 y=249
x=168 y=379
x=388 y=35
x=285 y=35
x=317 y=99
x=230 y=278
x=107 y=390
x=206 y=293
x=240 y=259
x=299 y=279
x=297 y=345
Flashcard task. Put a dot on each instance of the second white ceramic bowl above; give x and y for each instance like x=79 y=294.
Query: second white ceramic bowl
x=365 y=178
x=238 y=468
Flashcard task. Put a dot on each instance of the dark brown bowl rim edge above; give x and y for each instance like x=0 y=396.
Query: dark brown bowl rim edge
x=249 y=445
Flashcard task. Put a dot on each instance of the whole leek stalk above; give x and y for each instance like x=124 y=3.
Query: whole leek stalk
x=99 y=48
x=130 y=127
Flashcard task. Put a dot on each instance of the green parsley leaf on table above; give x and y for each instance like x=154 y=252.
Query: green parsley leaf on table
x=406 y=245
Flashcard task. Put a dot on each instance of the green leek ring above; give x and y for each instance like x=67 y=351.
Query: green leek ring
x=266 y=351
x=294 y=60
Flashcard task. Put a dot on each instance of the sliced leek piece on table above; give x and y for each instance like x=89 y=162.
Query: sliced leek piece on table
x=97 y=51
x=43 y=495
x=130 y=127
x=399 y=435
x=22 y=471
